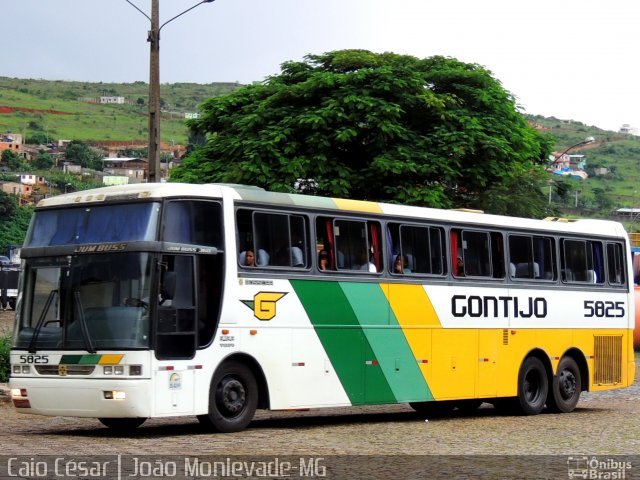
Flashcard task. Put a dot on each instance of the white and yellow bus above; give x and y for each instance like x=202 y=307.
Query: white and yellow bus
x=157 y=300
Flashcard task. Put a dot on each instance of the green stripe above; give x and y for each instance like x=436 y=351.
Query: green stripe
x=403 y=381
x=80 y=359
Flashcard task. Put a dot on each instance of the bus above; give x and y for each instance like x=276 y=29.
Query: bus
x=160 y=300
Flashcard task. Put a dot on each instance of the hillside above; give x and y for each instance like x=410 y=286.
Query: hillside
x=54 y=108
x=619 y=153
x=60 y=109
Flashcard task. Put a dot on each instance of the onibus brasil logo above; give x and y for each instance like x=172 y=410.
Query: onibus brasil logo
x=264 y=304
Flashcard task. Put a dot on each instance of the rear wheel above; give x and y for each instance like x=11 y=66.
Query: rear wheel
x=122 y=424
x=533 y=386
x=233 y=398
x=566 y=386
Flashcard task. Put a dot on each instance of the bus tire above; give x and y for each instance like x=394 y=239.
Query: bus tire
x=122 y=424
x=533 y=386
x=566 y=386
x=233 y=398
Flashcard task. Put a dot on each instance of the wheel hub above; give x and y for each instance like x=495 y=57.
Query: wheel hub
x=231 y=396
x=567 y=384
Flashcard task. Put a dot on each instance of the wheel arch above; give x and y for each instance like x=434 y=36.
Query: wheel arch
x=581 y=360
x=541 y=355
x=251 y=363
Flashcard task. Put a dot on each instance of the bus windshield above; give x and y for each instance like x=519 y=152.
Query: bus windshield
x=94 y=224
x=87 y=302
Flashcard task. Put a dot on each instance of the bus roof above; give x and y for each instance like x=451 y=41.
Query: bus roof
x=260 y=196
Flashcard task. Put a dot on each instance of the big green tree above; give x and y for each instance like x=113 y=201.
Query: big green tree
x=351 y=123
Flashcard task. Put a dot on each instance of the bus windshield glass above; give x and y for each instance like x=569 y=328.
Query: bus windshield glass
x=88 y=302
x=94 y=224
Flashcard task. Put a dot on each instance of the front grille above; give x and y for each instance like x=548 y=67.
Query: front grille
x=607 y=368
x=63 y=370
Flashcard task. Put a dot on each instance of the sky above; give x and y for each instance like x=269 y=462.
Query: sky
x=571 y=59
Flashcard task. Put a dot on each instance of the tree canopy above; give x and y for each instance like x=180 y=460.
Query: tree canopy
x=83 y=155
x=352 y=123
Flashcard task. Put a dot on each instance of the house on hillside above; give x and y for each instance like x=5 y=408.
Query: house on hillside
x=570 y=165
x=133 y=168
x=10 y=141
x=116 y=100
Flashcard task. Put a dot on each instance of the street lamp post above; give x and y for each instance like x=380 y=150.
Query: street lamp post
x=586 y=141
x=155 y=174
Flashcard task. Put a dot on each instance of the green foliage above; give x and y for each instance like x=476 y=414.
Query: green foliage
x=434 y=131
x=8 y=206
x=12 y=160
x=37 y=138
x=5 y=352
x=13 y=229
x=82 y=154
x=43 y=161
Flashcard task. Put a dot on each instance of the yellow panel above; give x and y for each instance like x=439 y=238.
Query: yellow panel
x=110 y=359
x=357 y=205
x=455 y=360
x=411 y=305
x=488 y=345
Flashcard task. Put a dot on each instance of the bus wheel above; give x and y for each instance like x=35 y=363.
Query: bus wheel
x=233 y=398
x=122 y=424
x=533 y=386
x=565 y=387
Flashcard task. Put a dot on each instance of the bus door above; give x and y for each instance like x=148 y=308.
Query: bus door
x=175 y=332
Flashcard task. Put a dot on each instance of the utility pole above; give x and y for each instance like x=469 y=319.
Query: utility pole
x=155 y=174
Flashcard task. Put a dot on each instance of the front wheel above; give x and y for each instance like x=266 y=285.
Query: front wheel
x=122 y=424
x=533 y=386
x=233 y=398
x=565 y=387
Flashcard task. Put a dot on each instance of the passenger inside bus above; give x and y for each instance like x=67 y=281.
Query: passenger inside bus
x=401 y=265
x=363 y=262
x=323 y=260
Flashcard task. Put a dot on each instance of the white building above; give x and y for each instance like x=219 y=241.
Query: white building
x=118 y=100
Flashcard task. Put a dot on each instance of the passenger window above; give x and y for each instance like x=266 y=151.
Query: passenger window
x=269 y=239
x=351 y=244
x=477 y=254
x=416 y=249
x=616 y=264
x=531 y=257
x=582 y=261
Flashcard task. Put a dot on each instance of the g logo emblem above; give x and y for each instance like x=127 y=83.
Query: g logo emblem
x=62 y=370
x=264 y=304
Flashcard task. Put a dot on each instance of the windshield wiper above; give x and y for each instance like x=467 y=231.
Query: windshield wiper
x=43 y=315
x=83 y=324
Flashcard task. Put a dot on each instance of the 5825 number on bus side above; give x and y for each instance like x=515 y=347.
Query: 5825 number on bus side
x=600 y=309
